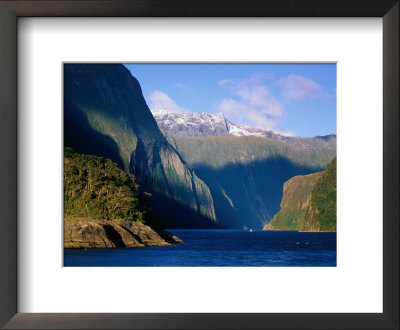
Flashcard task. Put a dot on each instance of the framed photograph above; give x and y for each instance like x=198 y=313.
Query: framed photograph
x=199 y=164
x=199 y=185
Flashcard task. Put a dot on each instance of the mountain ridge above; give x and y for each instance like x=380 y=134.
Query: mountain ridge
x=204 y=125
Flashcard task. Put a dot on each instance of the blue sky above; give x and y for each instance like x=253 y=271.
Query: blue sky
x=291 y=99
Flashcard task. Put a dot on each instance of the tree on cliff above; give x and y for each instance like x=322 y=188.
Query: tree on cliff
x=321 y=213
x=95 y=187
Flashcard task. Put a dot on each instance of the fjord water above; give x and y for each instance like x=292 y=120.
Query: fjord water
x=211 y=248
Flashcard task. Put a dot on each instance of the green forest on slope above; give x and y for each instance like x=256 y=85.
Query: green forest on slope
x=95 y=187
x=321 y=212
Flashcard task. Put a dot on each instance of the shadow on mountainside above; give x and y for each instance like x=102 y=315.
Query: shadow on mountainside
x=176 y=215
x=80 y=136
x=243 y=194
x=249 y=194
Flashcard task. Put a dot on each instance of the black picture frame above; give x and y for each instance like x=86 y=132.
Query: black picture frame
x=12 y=9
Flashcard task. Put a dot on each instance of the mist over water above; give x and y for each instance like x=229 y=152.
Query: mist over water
x=219 y=248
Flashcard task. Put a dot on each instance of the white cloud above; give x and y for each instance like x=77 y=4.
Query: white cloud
x=244 y=113
x=253 y=104
x=254 y=78
x=183 y=87
x=162 y=101
x=299 y=88
x=259 y=77
x=224 y=82
x=258 y=96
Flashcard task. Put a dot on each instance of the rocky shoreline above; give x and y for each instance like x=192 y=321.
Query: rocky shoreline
x=94 y=233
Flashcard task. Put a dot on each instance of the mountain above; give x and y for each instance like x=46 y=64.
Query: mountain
x=244 y=167
x=106 y=115
x=102 y=207
x=203 y=125
x=308 y=203
x=295 y=200
x=320 y=214
x=245 y=174
x=201 y=171
x=191 y=125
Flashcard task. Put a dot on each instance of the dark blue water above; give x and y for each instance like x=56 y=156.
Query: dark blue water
x=230 y=248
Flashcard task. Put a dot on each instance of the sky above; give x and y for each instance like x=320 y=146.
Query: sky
x=289 y=99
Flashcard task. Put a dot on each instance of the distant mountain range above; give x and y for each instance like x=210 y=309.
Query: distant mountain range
x=200 y=170
x=203 y=125
x=244 y=167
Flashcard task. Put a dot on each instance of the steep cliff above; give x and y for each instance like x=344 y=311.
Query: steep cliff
x=106 y=115
x=320 y=214
x=308 y=203
x=295 y=199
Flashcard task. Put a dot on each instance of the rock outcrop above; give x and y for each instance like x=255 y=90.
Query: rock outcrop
x=93 y=233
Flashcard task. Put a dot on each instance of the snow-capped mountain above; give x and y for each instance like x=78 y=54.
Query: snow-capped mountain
x=191 y=125
x=203 y=125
